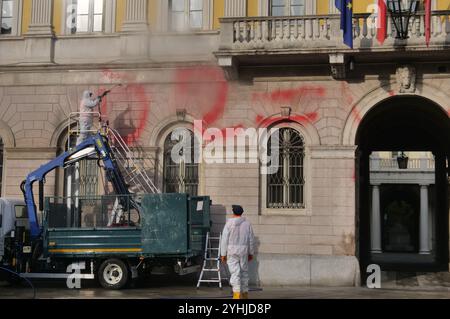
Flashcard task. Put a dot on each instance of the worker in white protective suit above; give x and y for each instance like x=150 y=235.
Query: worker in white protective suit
x=237 y=249
x=87 y=105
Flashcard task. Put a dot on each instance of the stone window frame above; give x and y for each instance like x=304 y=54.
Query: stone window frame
x=265 y=7
x=164 y=17
x=307 y=173
x=109 y=19
x=181 y=167
x=161 y=132
x=17 y=18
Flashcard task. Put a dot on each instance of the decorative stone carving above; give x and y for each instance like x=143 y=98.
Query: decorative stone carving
x=181 y=114
x=406 y=79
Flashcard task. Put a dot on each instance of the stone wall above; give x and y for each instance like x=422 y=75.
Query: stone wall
x=312 y=246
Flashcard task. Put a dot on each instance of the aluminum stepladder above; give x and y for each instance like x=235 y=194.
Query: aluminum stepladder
x=211 y=261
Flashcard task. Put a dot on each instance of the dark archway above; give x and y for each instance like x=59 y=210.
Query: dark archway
x=407 y=123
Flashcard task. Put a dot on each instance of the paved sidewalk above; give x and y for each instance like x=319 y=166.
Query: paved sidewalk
x=58 y=291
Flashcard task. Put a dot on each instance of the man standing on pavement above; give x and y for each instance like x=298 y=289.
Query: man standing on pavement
x=237 y=249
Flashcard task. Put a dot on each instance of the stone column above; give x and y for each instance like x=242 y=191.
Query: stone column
x=235 y=8
x=375 y=223
x=39 y=40
x=135 y=16
x=424 y=229
x=41 y=18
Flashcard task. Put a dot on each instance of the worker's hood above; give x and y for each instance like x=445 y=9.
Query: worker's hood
x=236 y=221
x=87 y=94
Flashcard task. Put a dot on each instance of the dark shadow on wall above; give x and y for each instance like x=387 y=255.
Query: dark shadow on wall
x=123 y=123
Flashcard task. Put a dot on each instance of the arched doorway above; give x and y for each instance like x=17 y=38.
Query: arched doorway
x=403 y=212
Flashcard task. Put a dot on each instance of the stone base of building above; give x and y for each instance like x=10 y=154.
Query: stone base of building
x=304 y=270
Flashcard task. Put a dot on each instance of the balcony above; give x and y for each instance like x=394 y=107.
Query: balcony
x=248 y=41
x=387 y=171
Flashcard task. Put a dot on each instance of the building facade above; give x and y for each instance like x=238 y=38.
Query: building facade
x=337 y=202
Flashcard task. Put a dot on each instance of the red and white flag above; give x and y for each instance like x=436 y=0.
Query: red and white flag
x=382 y=21
x=427 y=21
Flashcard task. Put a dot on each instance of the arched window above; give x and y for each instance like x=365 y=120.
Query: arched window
x=180 y=176
x=80 y=179
x=285 y=187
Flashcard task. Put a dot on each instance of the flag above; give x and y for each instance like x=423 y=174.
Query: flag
x=382 y=21
x=427 y=21
x=346 y=9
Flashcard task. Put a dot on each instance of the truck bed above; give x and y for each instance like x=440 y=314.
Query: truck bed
x=171 y=225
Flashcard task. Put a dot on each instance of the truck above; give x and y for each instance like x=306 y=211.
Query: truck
x=112 y=238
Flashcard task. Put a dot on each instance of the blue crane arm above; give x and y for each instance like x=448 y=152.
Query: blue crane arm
x=97 y=143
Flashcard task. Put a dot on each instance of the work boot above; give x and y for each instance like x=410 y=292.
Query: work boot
x=244 y=295
x=236 y=295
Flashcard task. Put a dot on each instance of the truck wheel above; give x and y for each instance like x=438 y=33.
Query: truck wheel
x=113 y=274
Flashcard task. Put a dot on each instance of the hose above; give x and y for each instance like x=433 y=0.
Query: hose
x=26 y=279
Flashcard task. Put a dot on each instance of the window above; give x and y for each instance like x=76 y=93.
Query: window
x=285 y=188
x=181 y=177
x=86 y=16
x=186 y=14
x=81 y=179
x=6 y=19
x=287 y=8
x=21 y=211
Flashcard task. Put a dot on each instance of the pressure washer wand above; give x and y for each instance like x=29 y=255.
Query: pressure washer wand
x=105 y=125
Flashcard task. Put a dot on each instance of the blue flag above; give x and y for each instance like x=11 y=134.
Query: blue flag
x=346 y=9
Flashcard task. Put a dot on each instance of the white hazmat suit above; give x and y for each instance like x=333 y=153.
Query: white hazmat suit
x=237 y=245
x=87 y=106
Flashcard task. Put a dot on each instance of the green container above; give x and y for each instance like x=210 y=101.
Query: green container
x=170 y=225
x=174 y=224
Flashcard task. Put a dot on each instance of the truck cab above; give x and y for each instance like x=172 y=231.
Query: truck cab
x=13 y=213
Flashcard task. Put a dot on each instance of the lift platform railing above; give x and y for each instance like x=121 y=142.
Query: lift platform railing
x=73 y=125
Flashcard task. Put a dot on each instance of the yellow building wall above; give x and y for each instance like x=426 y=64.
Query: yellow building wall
x=252 y=8
x=322 y=7
x=26 y=15
x=360 y=6
x=57 y=18
x=152 y=13
x=443 y=4
x=219 y=12
x=120 y=14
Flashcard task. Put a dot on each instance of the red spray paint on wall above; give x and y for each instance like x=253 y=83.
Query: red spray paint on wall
x=131 y=92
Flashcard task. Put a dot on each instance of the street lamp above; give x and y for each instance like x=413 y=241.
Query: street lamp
x=401 y=12
x=402 y=161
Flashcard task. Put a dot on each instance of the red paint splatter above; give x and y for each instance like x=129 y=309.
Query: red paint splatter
x=202 y=88
x=290 y=95
x=356 y=115
x=138 y=94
